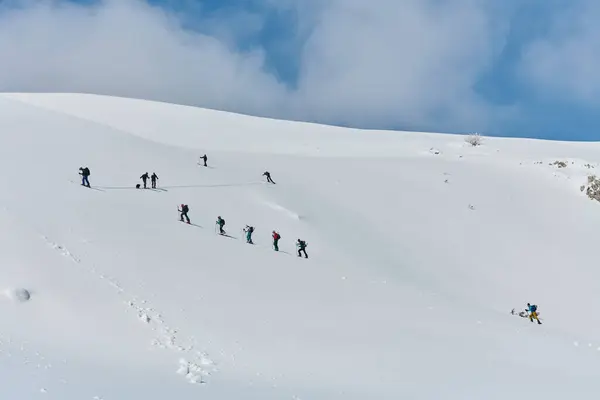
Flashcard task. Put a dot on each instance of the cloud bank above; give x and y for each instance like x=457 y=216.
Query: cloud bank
x=566 y=61
x=128 y=48
x=411 y=64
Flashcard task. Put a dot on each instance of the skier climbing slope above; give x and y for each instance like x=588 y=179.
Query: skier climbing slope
x=301 y=245
x=532 y=308
x=220 y=224
x=183 y=210
x=204 y=159
x=85 y=174
x=249 y=230
x=144 y=178
x=276 y=236
x=268 y=175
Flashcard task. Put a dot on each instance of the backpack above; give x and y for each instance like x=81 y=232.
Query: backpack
x=251 y=229
x=222 y=221
x=533 y=308
x=185 y=208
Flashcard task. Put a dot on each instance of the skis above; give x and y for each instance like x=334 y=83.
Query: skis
x=88 y=187
x=189 y=223
x=224 y=234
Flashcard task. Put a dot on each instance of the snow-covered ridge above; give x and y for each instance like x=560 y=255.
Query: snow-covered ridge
x=419 y=247
x=199 y=128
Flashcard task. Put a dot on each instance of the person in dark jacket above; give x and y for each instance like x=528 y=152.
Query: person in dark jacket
x=301 y=245
x=85 y=173
x=204 y=158
x=184 y=212
x=268 y=175
x=221 y=224
x=153 y=179
x=144 y=178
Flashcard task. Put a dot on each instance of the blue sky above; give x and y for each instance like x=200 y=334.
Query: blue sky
x=526 y=68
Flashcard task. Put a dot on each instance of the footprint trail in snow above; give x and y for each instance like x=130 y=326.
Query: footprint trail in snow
x=196 y=366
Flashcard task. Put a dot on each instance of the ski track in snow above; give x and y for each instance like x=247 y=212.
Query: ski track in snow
x=195 y=365
x=290 y=214
x=62 y=250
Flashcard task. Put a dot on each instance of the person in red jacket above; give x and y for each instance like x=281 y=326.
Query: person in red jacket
x=276 y=237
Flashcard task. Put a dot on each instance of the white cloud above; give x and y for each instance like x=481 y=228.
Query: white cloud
x=566 y=62
x=403 y=60
x=125 y=47
x=394 y=62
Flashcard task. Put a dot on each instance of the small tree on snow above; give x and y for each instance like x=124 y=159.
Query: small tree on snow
x=474 y=139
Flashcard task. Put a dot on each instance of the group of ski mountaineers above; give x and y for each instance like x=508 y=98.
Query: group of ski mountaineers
x=220 y=223
x=530 y=312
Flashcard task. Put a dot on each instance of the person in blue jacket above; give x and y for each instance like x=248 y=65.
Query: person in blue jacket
x=532 y=308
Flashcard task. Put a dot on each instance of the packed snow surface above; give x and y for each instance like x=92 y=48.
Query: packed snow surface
x=419 y=246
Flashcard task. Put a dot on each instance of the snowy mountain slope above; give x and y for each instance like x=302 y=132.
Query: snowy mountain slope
x=415 y=259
